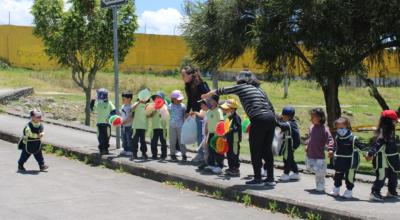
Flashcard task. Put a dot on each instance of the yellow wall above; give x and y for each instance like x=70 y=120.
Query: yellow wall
x=151 y=52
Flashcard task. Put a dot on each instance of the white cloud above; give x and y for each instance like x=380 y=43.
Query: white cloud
x=20 y=11
x=162 y=21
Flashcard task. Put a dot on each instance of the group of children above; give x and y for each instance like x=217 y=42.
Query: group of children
x=167 y=121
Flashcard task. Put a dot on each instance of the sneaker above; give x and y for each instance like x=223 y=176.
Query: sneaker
x=154 y=157
x=106 y=152
x=145 y=157
x=284 y=177
x=43 y=167
x=178 y=154
x=376 y=196
x=163 y=157
x=134 y=157
x=263 y=172
x=217 y=170
x=21 y=168
x=255 y=182
x=335 y=191
x=294 y=176
x=184 y=158
x=202 y=166
x=270 y=182
x=320 y=188
x=348 y=194
x=232 y=172
x=392 y=194
x=173 y=158
x=208 y=168
x=128 y=153
x=198 y=158
x=123 y=153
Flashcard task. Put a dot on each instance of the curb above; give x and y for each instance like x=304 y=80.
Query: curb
x=15 y=94
x=196 y=184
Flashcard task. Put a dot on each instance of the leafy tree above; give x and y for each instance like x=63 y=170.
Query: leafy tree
x=82 y=37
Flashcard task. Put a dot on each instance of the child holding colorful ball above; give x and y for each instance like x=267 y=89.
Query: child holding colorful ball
x=140 y=124
x=158 y=118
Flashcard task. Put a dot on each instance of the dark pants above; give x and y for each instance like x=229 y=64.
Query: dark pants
x=262 y=131
x=233 y=159
x=349 y=177
x=139 y=137
x=380 y=182
x=214 y=159
x=25 y=156
x=289 y=164
x=158 y=134
x=103 y=136
x=127 y=138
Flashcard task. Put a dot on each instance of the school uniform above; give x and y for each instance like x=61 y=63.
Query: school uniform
x=140 y=125
x=104 y=110
x=386 y=163
x=234 y=137
x=159 y=127
x=213 y=117
x=291 y=141
x=31 y=144
x=126 y=128
x=346 y=159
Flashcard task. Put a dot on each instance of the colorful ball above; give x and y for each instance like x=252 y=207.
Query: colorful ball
x=115 y=120
x=245 y=125
x=158 y=103
x=111 y=119
x=222 y=146
x=220 y=128
x=213 y=142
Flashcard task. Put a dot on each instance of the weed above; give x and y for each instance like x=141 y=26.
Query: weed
x=313 y=216
x=217 y=194
x=59 y=152
x=293 y=212
x=273 y=206
x=246 y=199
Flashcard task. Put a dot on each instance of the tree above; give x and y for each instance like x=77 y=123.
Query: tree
x=82 y=37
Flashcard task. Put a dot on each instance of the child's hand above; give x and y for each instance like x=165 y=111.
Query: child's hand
x=41 y=135
x=330 y=154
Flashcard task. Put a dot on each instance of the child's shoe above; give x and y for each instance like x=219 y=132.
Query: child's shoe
x=294 y=176
x=320 y=188
x=134 y=156
x=216 y=170
x=376 y=196
x=348 y=194
x=232 y=172
x=43 y=167
x=270 y=182
x=335 y=191
x=202 y=166
x=173 y=158
x=163 y=157
x=128 y=153
x=21 y=168
x=184 y=158
x=284 y=177
x=154 y=157
x=145 y=157
x=392 y=194
x=255 y=182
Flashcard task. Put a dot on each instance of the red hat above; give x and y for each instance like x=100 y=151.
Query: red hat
x=390 y=114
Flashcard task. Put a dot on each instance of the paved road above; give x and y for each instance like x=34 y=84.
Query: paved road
x=73 y=190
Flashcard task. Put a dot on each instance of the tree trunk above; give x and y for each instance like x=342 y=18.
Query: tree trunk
x=215 y=79
x=286 y=85
x=374 y=92
x=331 y=95
x=87 y=106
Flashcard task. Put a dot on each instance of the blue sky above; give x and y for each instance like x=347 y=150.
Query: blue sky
x=154 y=16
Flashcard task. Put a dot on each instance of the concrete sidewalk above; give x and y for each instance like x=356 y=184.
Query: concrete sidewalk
x=298 y=194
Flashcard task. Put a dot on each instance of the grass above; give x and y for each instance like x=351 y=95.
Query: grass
x=304 y=95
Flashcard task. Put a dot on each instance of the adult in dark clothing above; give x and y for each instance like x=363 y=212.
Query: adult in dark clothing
x=194 y=88
x=262 y=117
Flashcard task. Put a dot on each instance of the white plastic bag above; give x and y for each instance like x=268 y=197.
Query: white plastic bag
x=277 y=142
x=189 y=131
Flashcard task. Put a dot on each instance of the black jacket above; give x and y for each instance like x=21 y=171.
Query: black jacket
x=346 y=152
x=291 y=136
x=383 y=149
x=194 y=95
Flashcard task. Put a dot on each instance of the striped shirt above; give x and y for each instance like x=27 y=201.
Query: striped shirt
x=255 y=102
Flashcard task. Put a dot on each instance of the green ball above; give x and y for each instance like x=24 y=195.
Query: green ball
x=213 y=142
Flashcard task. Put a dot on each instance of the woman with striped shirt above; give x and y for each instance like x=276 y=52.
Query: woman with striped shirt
x=262 y=116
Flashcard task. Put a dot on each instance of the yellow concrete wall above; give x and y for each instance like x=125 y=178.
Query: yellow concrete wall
x=151 y=52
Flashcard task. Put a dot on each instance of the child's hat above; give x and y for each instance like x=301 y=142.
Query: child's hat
x=144 y=95
x=230 y=104
x=127 y=94
x=215 y=98
x=102 y=94
x=160 y=94
x=391 y=114
x=177 y=94
x=36 y=113
x=288 y=110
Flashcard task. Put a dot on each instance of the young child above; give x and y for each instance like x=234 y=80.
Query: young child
x=233 y=136
x=291 y=141
x=104 y=109
x=140 y=124
x=386 y=159
x=126 y=128
x=159 y=126
x=31 y=142
x=214 y=115
x=346 y=157
x=319 y=137
x=177 y=114
x=201 y=156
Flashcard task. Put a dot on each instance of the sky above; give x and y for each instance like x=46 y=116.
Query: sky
x=154 y=16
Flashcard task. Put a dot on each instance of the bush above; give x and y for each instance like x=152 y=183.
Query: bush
x=4 y=64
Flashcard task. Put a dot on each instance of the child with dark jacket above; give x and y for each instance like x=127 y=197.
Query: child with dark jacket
x=386 y=160
x=233 y=136
x=31 y=142
x=291 y=141
x=346 y=157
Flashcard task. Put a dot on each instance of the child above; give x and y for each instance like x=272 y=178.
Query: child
x=386 y=157
x=104 y=109
x=214 y=115
x=201 y=156
x=291 y=141
x=31 y=142
x=126 y=128
x=177 y=114
x=159 y=126
x=319 y=137
x=140 y=123
x=233 y=136
x=345 y=156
